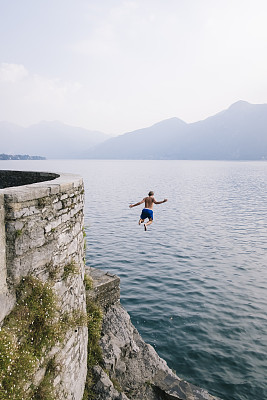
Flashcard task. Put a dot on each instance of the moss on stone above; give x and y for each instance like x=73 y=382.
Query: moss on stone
x=42 y=202
x=18 y=233
x=76 y=319
x=84 y=240
x=45 y=390
x=116 y=385
x=33 y=327
x=54 y=271
x=27 y=333
x=94 y=354
x=94 y=323
x=70 y=269
x=88 y=282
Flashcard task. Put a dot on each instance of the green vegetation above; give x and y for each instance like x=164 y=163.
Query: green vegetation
x=42 y=201
x=88 y=282
x=27 y=333
x=18 y=233
x=84 y=244
x=94 y=323
x=116 y=384
x=94 y=355
x=54 y=271
x=45 y=390
x=75 y=319
x=84 y=238
x=70 y=269
x=32 y=328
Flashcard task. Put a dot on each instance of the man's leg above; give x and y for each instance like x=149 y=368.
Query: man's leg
x=148 y=223
x=140 y=221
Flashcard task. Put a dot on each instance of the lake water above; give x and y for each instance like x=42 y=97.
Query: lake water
x=195 y=283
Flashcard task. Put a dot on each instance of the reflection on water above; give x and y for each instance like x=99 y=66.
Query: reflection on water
x=195 y=283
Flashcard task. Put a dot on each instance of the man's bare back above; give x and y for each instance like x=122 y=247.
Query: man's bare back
x=149 y=202
x=147 y=211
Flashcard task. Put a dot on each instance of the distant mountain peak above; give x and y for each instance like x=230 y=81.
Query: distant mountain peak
x=170 y=121
x=239 y=105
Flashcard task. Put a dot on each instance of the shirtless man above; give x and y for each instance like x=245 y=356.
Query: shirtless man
x=147 y=212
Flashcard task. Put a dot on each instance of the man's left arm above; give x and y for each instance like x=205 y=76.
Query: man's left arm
x=160 y=202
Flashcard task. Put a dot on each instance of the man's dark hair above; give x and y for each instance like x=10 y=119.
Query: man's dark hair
x=151 y=193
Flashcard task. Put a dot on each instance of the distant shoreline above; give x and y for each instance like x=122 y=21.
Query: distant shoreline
x=20 y=157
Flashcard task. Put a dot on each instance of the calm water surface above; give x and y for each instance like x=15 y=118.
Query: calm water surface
x=195 y=283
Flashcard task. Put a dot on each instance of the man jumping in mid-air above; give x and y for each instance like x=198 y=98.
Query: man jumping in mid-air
x=147 y=212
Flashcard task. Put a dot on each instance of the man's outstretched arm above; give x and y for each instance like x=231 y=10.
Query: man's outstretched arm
x=137 y=204
x=160 y=202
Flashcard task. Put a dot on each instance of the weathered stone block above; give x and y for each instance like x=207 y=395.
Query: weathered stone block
x=106 y=287
x=28 y=192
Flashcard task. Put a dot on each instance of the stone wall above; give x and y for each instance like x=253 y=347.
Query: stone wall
x=4 y=298
x=41 y=235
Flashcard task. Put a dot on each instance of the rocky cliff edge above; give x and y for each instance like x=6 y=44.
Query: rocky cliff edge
x=131 y=369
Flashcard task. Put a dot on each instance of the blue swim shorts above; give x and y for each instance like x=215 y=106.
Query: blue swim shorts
x=146 y=213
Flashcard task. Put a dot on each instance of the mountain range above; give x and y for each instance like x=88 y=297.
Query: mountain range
x=48 y=139
x=237 y=133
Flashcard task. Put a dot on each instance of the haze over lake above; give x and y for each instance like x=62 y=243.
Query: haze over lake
x=195 y=283
x=237 y=133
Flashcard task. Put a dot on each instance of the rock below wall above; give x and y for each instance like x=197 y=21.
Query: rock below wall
x=132 y=369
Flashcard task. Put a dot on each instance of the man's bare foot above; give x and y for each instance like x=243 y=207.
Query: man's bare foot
x=145 y=227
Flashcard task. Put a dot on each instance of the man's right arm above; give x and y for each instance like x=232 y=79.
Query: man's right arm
x=137 y=204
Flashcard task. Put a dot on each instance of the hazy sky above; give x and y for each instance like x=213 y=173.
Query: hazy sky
x=120 y=65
